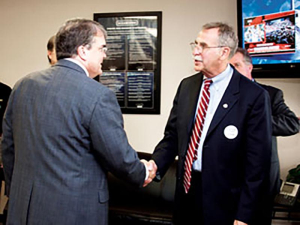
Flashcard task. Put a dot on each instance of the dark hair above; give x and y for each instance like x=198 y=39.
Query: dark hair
x=51 y=43
x=74 y=33
x=246 y=56
x=227 y=36
x=50 y=46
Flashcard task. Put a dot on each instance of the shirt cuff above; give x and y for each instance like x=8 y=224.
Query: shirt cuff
x=147 y=172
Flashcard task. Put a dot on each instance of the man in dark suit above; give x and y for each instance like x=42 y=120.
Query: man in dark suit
x=4 y=95
x=62 y=133
x=232 y=157
x=284 y=123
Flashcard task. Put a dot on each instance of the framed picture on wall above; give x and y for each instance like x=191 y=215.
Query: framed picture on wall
x=132 y=68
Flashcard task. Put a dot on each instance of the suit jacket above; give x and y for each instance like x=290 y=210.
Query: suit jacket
x=62 y=132
x=284 y=123
x=234 y=171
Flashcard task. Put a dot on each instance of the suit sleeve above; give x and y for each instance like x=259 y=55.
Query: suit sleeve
x=258 y=146
x=166 y=150
x=110 y=141
x=284 y=121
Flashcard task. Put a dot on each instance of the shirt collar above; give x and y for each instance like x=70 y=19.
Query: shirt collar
x=79 y=64
x=222 y=78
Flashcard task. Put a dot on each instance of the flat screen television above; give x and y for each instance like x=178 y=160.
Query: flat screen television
x=270 y=31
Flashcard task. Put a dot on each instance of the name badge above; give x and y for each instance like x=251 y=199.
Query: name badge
x=231 y=132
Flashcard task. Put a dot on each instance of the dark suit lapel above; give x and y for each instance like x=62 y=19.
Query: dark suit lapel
x=188 y=107
x=192 y=101
x=228 y=100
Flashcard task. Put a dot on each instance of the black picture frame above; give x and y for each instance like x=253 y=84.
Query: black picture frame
x=132 y=68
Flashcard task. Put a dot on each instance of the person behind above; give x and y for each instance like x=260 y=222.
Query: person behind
x=51 y=52
x=221 y=176
x=62 y=133
x=5 y=91
x=284 y=123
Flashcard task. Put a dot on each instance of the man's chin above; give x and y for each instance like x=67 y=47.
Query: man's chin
x=99 y=73
x=95 y=75
x=198 y=68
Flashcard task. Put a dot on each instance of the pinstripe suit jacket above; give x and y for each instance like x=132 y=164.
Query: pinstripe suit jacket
x=62 y=132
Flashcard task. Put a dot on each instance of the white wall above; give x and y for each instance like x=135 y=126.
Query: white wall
x=27 y=25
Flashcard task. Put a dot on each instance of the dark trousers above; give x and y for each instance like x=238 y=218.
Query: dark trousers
x=190 y=205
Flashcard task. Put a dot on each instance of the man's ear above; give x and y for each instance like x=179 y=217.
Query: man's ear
x=225 y=53
x=82 y=52
x=49 y=55
x=250 y=67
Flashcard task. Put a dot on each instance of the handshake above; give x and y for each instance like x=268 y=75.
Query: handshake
x=152 y=168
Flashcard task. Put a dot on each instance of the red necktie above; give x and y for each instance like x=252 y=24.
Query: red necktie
x=196 y=134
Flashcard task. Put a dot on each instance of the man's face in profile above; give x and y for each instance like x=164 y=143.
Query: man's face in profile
x=240 y=65
x=95 y=56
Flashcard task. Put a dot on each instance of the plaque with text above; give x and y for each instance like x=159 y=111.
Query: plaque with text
x=133 y=64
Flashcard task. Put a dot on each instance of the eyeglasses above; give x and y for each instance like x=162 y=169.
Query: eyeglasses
x=103 y=49
x=202 y=46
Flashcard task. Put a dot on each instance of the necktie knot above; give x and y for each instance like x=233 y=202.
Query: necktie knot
x=207 y=83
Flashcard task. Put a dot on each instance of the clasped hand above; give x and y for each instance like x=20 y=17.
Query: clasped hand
x=236 y=222
x=152 y=168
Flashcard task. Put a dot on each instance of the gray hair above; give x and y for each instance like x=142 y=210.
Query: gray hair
x=246 y=56
x=227 y=36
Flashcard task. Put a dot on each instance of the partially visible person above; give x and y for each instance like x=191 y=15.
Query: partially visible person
x=284 y=123
x=62 y=133
x=51 y=52
x=220 y=129
x=5 y=91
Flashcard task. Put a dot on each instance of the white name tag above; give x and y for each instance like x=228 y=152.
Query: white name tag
x=231 y=132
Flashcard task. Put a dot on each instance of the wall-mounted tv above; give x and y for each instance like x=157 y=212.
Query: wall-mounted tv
x=270 y=31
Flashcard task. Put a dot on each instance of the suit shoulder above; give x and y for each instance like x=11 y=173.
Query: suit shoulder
x=96 y=91
x=4 y=88
x=193 y=78
x=250 y=84
x=31 y=77
x=270 y=88
x=250 y=88
x=94 y=85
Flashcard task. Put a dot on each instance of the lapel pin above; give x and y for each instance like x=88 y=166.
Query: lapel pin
x=225 y=106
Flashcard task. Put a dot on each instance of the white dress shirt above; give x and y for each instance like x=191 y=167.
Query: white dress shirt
x=217 y=90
